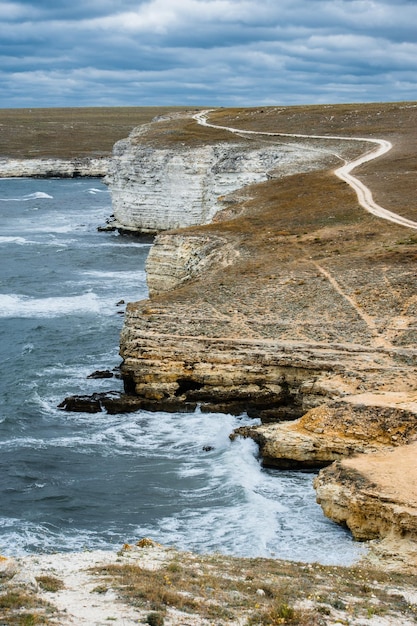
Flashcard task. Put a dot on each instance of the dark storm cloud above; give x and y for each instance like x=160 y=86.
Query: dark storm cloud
x=225 y=52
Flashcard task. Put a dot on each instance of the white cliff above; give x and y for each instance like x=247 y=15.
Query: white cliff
x=48 y=168
x=156 y=187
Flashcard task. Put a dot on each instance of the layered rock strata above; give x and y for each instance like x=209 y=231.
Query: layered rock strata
x=274 y=340
x=174 y=260
x=292 y=305
x=375 y=495
x=54 y=168
x=349 y=426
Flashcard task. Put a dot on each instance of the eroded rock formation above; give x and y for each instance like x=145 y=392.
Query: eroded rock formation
x=349 y=426
x=375 y=495
x=175 y=259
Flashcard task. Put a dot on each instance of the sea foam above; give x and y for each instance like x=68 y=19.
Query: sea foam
x=15 y=305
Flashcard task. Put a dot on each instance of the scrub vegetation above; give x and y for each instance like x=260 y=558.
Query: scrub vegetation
x=257 y=592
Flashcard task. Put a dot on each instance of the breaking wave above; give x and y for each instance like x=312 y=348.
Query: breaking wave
x=37 y=195
x=14 y=305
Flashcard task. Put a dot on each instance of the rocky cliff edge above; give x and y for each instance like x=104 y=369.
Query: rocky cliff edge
x=293 y=303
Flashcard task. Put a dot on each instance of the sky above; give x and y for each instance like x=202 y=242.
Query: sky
x=206 y=52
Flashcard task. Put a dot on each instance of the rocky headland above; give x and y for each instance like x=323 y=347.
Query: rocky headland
x=65 y=142
x=292 y=303
x=288 y=301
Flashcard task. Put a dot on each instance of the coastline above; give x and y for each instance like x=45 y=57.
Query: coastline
x=189 y=589
x=355 y=372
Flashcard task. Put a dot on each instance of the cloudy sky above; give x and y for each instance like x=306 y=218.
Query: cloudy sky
x=206 y=52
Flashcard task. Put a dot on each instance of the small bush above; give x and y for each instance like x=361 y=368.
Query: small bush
x=50 y=583
x=155 y=619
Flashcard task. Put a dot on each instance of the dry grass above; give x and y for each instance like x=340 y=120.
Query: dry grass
x=22 y=608
x=183 y=131
x=50 y=583
x=284 y=227
x=261 y=591
x=396 y=122
x=70 y=132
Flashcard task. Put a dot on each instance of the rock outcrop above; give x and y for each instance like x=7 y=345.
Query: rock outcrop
x=349 y=426
x=175 y=259
x=375 y=495
x=255 y=310
x=54 y=168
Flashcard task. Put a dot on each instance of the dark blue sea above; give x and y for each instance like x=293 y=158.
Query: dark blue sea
x=74 y=481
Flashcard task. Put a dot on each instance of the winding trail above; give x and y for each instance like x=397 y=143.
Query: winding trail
x=363 y=193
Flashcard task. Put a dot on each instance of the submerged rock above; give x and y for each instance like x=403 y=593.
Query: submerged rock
x=101 y=374
x=110 y=401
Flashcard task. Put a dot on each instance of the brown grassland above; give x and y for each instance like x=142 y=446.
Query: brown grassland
x=70 y=132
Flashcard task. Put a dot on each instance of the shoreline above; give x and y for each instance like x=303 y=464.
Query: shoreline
x=92 y=587
x=378 y=556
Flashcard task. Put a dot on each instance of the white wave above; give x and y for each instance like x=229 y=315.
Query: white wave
x=51 y=228
x=120 y=243
x=229 y=502
x=19 y=443
x=19 y=538
x=245 y=512
x=37 y=195
x=94 y=190
x=15 y=305
x=19 y=240
x=22 y=241
x=28 y=348
x=121 y=276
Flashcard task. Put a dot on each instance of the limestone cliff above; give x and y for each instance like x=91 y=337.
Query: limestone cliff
x=289 y=296
x=350 y=425
x=54 y=168
x=156 y=186
x=175 y=259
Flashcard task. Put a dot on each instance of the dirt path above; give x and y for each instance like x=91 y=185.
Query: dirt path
x=363 y=193
x=378 y=340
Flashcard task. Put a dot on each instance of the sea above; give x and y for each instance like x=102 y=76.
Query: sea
x=76 y=481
